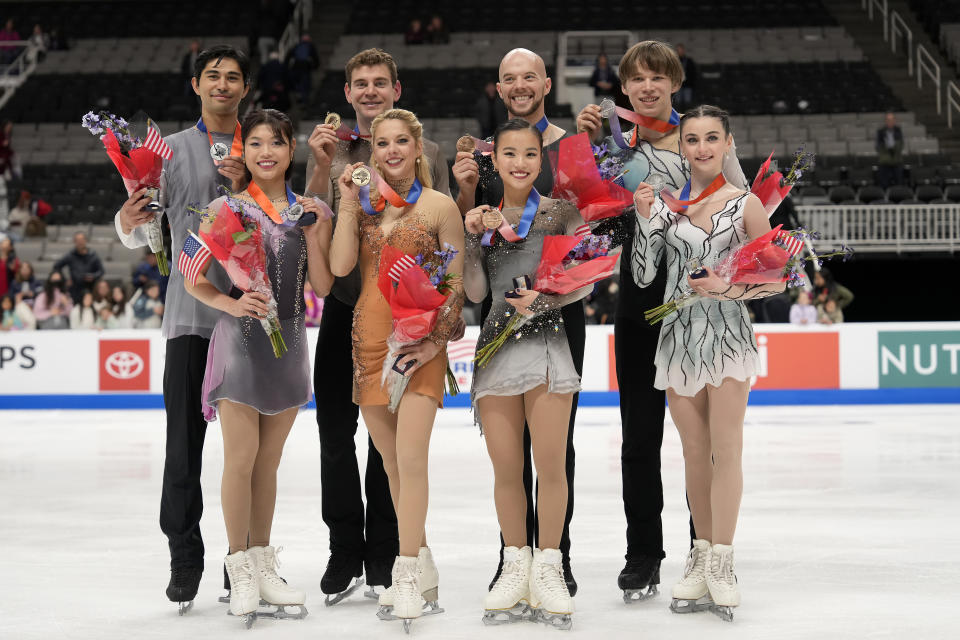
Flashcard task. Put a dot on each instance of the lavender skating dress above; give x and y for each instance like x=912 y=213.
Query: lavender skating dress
x=241 y=366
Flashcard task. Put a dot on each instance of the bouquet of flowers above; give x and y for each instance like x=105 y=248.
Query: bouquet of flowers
x=773 y=257
x=415 y=288
x=772 y=187
x=567 y=264
x=236 y=241
x=140 y=163
x=594 y=189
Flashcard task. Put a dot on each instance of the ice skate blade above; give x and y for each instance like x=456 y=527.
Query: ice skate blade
x=631 y=596
x=371 y=592
x=333 y=599
x=691 y=606
x=518 y=613
x=561 y=621
x=185 y=606
x=225 y=599
x=406 y=625
x=725 y=613
x=280 y=613
x=247 y=618
x=429 y=609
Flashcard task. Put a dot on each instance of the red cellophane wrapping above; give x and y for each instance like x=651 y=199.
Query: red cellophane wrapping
x=576 y=178
x=557 y=274
x=756 y=262
x=769 y=189
x=414 y=301
x=140 y=168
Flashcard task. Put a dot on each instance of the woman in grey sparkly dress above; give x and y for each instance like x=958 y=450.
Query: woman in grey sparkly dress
x=707 y=352
x=256 y=393
x=531 y=377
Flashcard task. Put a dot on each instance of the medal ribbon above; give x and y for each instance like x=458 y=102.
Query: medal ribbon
x=387 y=194
x=542 y=124
x=264 y=202
x=523 y=227
x=236 y=148
x=677 y=206
x=652 y=127
x=345 y=133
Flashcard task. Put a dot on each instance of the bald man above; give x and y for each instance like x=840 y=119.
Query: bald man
x=523 y=86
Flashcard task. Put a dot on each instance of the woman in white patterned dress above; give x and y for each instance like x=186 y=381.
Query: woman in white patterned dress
x=707 y=352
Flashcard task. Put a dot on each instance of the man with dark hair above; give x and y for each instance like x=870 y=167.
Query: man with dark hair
x=523 y=87
x=205 y=156
x=889 y=144
x=84 y=265
x=371 y=88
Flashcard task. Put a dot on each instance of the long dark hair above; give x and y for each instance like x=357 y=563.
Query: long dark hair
x=49 y=286
x=276 y=120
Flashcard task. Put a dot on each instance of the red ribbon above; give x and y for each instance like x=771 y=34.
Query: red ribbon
x=676 y=205
x=264 y=202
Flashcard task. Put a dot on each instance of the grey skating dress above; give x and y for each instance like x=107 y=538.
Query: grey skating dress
x=241 y=366
x=711 y=339
x=541 y=354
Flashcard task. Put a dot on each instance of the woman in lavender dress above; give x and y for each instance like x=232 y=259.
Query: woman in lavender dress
x=256 y=393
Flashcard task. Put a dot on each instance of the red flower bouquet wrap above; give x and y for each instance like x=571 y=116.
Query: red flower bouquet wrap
x=239 y=249
x=577 y=179
x=415 y=304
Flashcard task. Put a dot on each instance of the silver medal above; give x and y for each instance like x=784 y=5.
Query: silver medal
x=294 y=212
x=607 y=107
x=657 y=181
x=219 y=151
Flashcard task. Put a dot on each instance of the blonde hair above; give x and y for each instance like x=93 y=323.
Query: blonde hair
x=416 y=130
x=657 y=56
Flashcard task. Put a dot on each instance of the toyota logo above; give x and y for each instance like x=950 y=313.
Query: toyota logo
x=124 y=365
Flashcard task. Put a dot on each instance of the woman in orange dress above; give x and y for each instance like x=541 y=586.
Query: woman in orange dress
x=428 y=223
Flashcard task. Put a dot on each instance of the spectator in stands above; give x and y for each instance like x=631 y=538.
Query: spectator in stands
x=889 y=153
x=25 y=287
x=825 y=287
x=313 y=305
x=84 y=266
x=685 y=97
x=829 y=312
x=490 y=110
x=415 y=33
x=52 y=308
x=146 y=271
x=186 y=66
x=437 y=32
x=604 y=79
x=58 y=41
x=8 y=34
x=802 y=312
x=39 y=44
x=302 y=60
x=101 y=295
x=11 y=320
x=9 y=264
x=19 y=216
x=83 y=315
x=148 y=307
x=273 y=82
x=121 y=308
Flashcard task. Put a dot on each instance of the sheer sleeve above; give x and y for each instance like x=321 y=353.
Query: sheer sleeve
x=475 y=281
x=648 y=244
x=450 y=232
x=345 y=247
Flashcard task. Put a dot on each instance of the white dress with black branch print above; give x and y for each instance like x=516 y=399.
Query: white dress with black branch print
x=711 y=339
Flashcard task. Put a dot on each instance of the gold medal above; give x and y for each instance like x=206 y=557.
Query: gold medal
x=360 y=176
x=333 y=119
x=466 y=143
x=492 y=219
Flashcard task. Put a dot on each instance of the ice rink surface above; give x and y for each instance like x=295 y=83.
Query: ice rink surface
x=848 y=529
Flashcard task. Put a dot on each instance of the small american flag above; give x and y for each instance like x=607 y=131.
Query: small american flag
x=155 y=143
x=193 y=258
x=401 y=265
x=792 y=244
x=582 y=230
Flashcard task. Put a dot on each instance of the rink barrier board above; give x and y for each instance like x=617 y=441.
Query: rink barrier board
x=587 y=399
x=861 y=363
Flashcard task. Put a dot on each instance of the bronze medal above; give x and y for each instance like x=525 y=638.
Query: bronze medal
x=492 y=219
x=466 y=143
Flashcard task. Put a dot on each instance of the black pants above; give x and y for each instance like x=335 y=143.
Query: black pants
x=337 y=415
x=642 y=409
x=575 y=327
x=181 y=503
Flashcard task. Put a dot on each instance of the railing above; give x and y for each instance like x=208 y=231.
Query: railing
x=899 y=27
x=953 y=101
x=926 y=62
x=881 y=6
x=886 y=228
x=302 y=13
x=17 y=71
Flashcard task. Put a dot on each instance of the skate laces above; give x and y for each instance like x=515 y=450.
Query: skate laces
x=406 y=585
x=511 y=576
x=721 y=566
x=242 y=575
x=271 y=560
x=695 y=558
x=551 y=580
